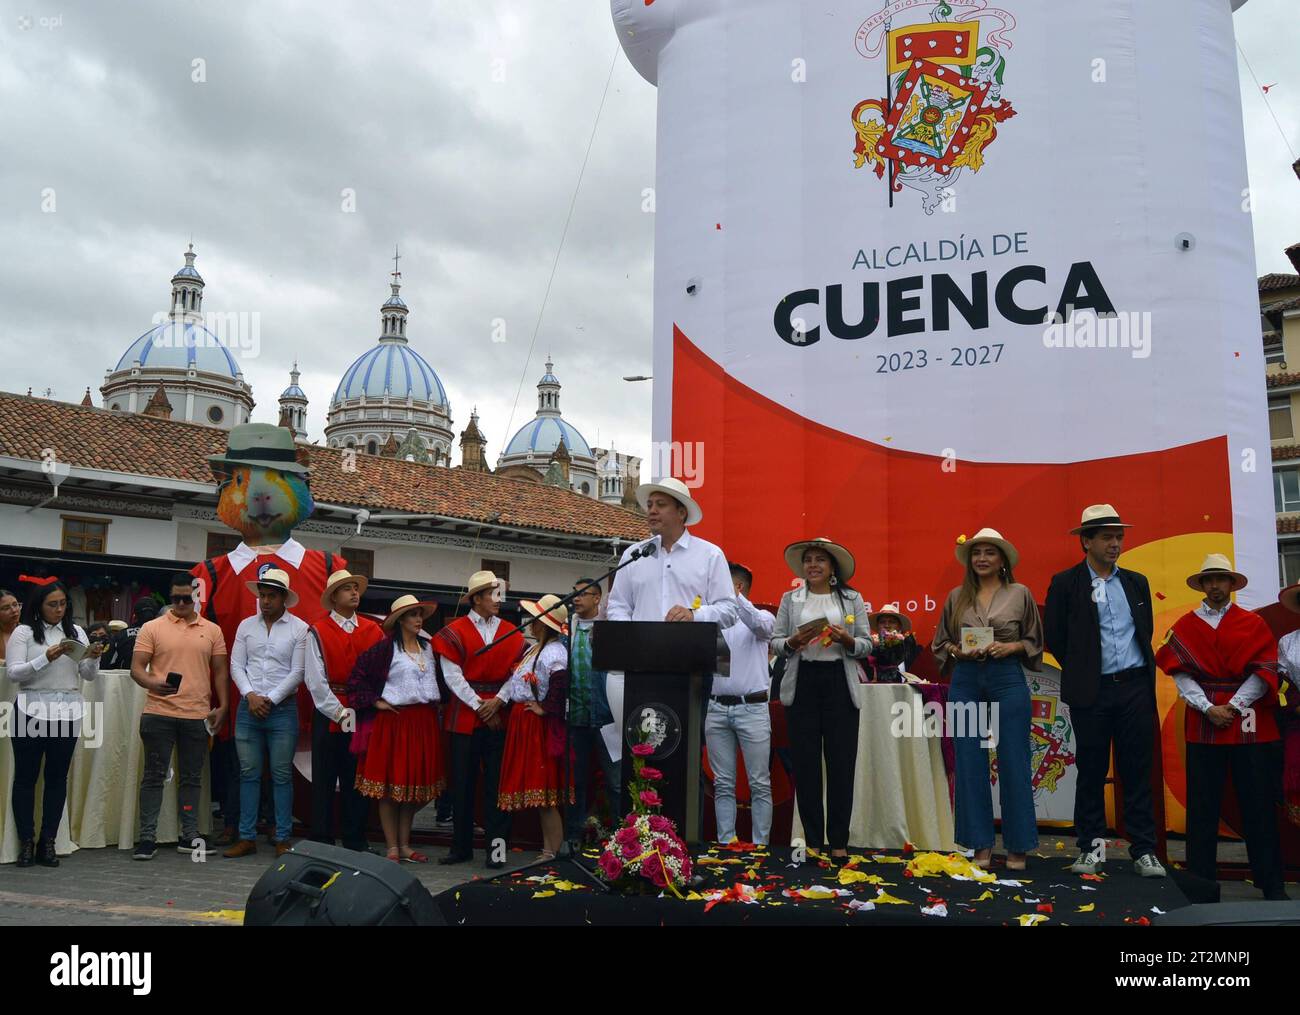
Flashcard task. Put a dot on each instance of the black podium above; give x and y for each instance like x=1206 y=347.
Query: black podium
x=668 y=669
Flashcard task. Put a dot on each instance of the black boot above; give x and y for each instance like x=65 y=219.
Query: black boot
x=26 y=853
x=45 y=854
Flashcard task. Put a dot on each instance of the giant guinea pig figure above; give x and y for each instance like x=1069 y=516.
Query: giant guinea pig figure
x=264 y=494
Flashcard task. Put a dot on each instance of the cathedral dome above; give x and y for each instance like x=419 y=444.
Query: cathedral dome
x=544 y=434
x=391 y=368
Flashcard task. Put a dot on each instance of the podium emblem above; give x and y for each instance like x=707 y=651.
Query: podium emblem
x=656 y=724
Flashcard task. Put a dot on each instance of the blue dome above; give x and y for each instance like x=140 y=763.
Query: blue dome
x=293 y=391
x=395 y=368
x=544 y=434
x=180 y=346
x=188 y=271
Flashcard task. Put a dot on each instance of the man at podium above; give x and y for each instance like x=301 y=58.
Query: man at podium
x=683 y=577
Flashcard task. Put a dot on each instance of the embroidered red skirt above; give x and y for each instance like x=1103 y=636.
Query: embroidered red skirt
x=403 y=760
x=530 y=776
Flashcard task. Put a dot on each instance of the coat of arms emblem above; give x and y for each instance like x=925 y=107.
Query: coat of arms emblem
x=943 y=100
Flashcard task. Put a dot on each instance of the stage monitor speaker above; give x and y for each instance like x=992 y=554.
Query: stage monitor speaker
x=316 y=885
x=1234 y=914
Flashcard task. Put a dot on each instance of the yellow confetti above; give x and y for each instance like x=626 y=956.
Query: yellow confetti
x=543 y=895
x=1018 y=898
x=694 y=897
x=1060 y=845
x=565 y=886
x=817 y=893
x=1087 y=909
x=695 y=604
x=888 y=859
x=716 y=860
x=885 y=899
x=333 y=877
x=985 y=897
x=458 y=896
x=951 y=864
x=1031 y=919
x=225 y=914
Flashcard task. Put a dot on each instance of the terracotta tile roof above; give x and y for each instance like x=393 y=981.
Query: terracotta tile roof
x=1286 y=452
x=1282 y=379
x=1268 y=283
x=147 y=446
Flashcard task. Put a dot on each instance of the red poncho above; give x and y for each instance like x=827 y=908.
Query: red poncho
x=1220 y=659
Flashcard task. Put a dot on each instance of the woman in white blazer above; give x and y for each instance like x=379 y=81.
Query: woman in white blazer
x=822 y=632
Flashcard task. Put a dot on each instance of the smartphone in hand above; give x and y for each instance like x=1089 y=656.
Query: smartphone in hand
x=174 y=680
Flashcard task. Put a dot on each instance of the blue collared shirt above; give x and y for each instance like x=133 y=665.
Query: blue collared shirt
x=1119 y=645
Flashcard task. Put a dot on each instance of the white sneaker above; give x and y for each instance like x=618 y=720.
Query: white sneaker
x=1089 y=863
x=1148 y=866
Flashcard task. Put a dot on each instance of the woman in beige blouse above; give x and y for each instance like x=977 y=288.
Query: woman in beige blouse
x=989 y=680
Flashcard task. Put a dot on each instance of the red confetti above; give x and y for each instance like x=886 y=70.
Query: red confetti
x=908 y=847
x=718 y=226
x=1160 y=595
x=1044 y=907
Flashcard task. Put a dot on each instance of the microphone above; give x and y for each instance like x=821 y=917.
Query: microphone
x=645 y=550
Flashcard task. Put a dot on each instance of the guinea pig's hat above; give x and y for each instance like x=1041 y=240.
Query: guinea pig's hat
x=260 y=444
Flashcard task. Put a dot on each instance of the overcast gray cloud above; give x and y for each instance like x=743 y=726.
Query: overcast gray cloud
x=399 y=102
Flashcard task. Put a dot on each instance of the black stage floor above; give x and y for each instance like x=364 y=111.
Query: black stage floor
x=878 y=887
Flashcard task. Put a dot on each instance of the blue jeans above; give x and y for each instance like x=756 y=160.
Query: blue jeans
x=583 y=740
x=1000 y=682
x=750 y=727
x=277 y=734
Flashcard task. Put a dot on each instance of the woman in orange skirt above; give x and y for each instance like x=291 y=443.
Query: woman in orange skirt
x=532 y=767
x=394 y=688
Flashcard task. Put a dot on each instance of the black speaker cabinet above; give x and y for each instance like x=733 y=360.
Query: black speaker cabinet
x=316 y=885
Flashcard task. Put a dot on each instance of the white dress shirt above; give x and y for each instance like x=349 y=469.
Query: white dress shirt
x=1252 y=688
x=455 y=676
x=748 y=642
x=269 y=663
x=649 y=588
x=318 y=681
x=48 y=690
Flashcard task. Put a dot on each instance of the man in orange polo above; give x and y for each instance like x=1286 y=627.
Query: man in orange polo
x=184 y=643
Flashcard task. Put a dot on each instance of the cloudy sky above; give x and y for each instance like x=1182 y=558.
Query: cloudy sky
x=459 y=125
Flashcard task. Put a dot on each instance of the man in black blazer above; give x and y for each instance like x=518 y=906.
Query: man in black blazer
x=1098 y=625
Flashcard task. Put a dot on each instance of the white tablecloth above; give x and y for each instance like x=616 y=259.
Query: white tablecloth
x=900 y=790
x=104 y=782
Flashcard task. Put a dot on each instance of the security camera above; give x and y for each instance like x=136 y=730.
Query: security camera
x=691 y=286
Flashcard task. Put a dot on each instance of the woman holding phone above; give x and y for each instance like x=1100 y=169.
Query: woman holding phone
x=821 y=631
x=47 y=657
x=991 y=630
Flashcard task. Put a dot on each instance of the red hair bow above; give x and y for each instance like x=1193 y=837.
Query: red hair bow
x=38 y=581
